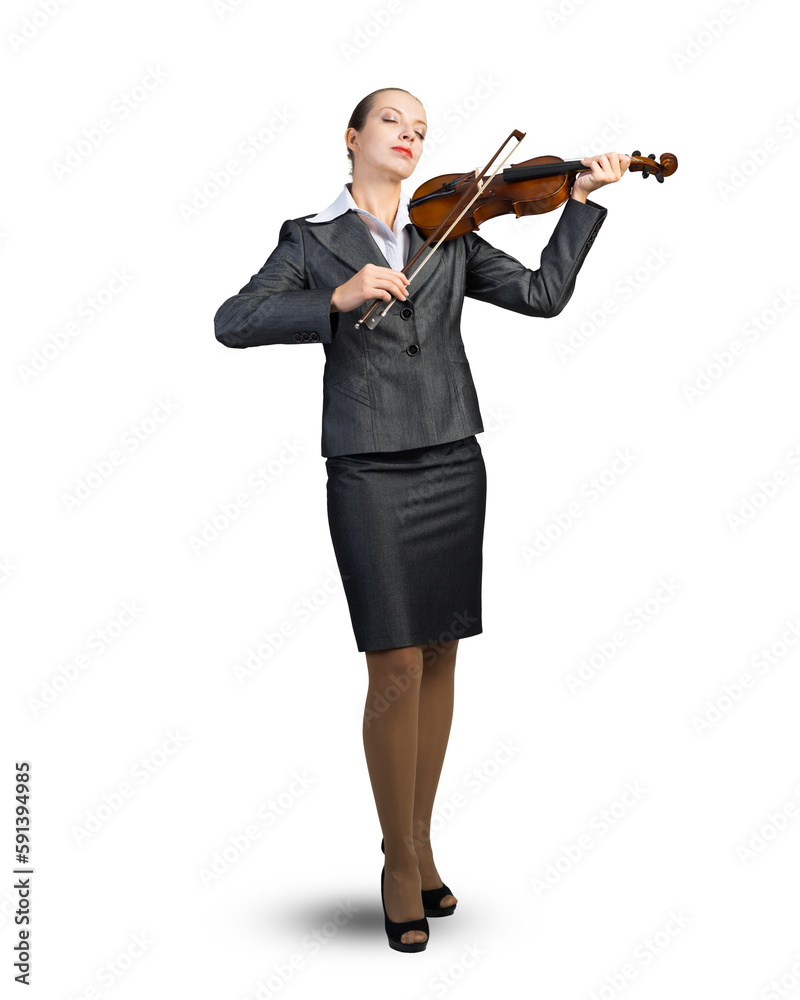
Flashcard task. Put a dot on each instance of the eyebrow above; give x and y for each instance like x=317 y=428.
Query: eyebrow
x=417 y=122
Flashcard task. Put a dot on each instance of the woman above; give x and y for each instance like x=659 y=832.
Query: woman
x=406 y=487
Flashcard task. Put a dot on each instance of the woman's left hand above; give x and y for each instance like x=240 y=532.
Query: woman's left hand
x=606 y=168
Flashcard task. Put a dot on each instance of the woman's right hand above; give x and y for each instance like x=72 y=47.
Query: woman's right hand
x=371 y=282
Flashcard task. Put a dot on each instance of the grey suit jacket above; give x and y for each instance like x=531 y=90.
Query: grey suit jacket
x=407 y=383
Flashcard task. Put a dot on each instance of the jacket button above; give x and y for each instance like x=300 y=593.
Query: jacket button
x=298 y=337
x=315 y=336
x=406 y=312
x=412 y=349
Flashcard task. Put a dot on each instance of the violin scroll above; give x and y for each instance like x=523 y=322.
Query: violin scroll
x=649 y=164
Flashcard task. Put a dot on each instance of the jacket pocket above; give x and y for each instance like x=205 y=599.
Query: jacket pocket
x=348 y=377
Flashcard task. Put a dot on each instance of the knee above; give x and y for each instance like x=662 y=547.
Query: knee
x=439 y=654
x=401 y=667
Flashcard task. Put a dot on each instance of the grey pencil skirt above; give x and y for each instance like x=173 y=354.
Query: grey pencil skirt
x=407 y=532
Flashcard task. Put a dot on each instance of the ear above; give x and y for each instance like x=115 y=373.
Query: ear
x=349 y=139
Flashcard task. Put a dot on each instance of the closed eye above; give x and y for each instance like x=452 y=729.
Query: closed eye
x=395 y=122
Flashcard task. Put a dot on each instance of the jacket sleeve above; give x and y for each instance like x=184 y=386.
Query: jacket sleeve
x=496 y=277
x=276 y=306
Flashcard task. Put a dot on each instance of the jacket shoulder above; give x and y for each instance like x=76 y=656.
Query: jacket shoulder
x=289 y=228
x=302 y=220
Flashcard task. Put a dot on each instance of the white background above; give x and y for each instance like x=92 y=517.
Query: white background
x=702 y=257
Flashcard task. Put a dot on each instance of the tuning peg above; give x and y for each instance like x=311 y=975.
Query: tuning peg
x=660 y=177
x=636 y=152
x=652 y=156
x=645 y=171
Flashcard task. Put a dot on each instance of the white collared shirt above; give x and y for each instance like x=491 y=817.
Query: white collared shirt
x=393 y=244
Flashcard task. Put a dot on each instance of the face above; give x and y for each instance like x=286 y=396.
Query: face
x=391 y=141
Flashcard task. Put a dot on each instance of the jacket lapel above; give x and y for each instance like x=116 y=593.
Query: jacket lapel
x=349 y=239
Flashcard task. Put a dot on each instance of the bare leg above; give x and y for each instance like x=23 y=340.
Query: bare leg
x=435 y=717
x=390 y=744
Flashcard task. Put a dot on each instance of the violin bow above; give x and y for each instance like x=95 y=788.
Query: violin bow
x=372 y=317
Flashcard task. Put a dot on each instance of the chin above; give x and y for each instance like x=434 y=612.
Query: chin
x=398 y=172
x=396 y=168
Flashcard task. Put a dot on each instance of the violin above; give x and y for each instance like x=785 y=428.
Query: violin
x=530 y=188
x=450 y=205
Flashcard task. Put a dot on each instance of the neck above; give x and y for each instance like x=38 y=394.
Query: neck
x=380 y=196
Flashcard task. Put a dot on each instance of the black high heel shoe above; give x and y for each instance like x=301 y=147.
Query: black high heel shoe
x=431 y=897
x=396 y=929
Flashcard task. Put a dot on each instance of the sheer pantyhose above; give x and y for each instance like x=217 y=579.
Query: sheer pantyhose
x=407 y=717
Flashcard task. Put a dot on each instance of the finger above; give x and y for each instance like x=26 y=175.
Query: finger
x=399 y=283
x=395 y=279
x=394 y=287
x=392 y=275
x=596 y=168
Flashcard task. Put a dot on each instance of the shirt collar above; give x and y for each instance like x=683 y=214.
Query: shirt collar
x=345 y=202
